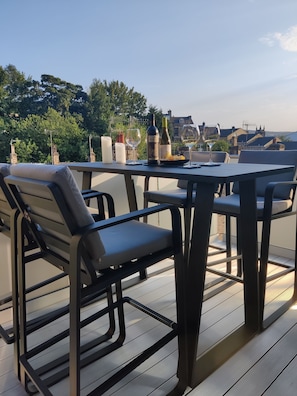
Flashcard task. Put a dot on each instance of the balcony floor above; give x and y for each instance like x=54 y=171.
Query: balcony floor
x=265 y=366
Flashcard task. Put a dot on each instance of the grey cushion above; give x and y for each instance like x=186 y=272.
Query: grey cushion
x=62 y=176
x=177 y=196
x=231 y=205
x=131 y=240
x=287 y=157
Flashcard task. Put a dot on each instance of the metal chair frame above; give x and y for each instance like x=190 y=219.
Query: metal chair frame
x=186 y=203
x=266 y=219
x=8 y=218
x=47 y=196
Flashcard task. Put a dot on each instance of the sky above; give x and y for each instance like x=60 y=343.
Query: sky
x=232 y=62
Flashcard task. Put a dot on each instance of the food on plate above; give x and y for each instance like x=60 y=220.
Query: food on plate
x=176 y=157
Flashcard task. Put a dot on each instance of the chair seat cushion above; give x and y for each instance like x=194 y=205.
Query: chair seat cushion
x=177 y=196
x=231 y=205
x=131 y=240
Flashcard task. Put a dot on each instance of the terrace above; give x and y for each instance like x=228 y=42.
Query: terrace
x=266 y=365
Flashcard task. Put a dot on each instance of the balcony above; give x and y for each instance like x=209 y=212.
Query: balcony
x=266 y=365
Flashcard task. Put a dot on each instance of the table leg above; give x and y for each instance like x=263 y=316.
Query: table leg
x=130 y=188
x=200 y=368
x=249 y=241
x=86 y=180
x=196 y=271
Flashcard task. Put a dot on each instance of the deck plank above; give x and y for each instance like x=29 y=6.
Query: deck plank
x=270 y=354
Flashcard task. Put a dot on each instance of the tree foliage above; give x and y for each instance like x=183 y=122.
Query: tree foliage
x=70 y=115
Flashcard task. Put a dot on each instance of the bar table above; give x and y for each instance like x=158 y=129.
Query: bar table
x=206 y=178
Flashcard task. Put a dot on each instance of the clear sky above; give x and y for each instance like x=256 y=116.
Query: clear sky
x=225 y=61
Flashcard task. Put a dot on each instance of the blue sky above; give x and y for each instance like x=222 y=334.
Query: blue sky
x=226 y=61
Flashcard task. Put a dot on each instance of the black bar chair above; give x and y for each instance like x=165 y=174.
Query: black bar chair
x=96 y=256
x=183 y=196
x=8 y=217
x=275 y=200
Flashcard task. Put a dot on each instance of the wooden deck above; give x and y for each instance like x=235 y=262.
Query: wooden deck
x=265 y=366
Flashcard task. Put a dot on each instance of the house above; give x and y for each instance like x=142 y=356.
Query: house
x=176 y=124
x=238 y=138
x=232 y=134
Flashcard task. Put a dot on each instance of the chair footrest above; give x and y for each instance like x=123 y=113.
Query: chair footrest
x=7 y=335
x=56 y=370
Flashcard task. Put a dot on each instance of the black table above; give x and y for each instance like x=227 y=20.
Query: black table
x=206 y=179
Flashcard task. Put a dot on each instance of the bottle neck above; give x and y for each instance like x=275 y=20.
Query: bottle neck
x=153 y=120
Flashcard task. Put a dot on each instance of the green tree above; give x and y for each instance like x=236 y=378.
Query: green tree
x=61 y=95
x=27 y=151
x=125 y=101
x=65 y=133
x=5 y=139
x=98 y=109
x=221 y=145
x=13 y=90
x=158 y=115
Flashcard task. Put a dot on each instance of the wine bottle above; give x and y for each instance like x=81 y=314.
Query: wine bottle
x=165 y=142
x=153 y=142
x=120 y=138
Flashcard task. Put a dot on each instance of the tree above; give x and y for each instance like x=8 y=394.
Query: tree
x=98 y=109
x=221 y=145
x=125 y=101
x=13 y=90
x=5 y=139
x=137 y=104
x=61 y=95
x=38 y=131
x=29 y=107
x=158 y=115
x=27 y=151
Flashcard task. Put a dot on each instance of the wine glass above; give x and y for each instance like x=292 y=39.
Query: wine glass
x=211 y=135
x=133 y=138
x=189 y=137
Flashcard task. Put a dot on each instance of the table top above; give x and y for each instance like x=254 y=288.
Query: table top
x=222 y=173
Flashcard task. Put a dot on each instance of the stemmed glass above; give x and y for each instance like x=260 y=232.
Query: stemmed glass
x=189 y=137
x=133 y=138
x=210 y=136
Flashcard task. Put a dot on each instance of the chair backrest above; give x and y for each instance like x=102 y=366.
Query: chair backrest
x=204 y=156
x=52 y=203
x=285 y=157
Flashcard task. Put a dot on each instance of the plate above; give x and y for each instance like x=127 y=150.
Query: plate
x=174 y=162
x=208 y=164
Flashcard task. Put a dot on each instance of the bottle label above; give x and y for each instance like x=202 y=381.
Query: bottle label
x=165 y=151
x=153 y=147
x=153 y=139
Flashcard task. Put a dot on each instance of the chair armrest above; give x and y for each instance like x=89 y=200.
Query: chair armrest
x=269 y=193
x=135 y=215
x=100 y=196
